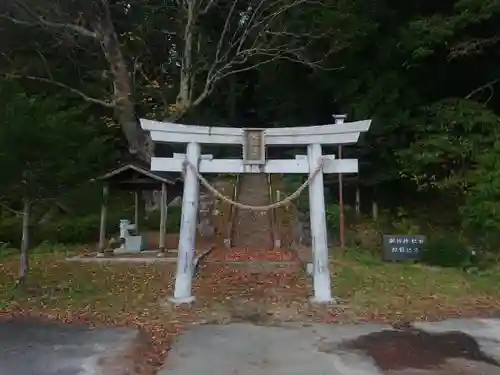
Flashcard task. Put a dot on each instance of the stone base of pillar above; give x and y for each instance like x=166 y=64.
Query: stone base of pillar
x=182 y=301
x=318 y=301
x=309 y=269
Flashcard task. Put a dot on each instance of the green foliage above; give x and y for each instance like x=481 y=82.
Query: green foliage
x=366 y=237
x=447 y=251
x=405 y=224
x=448 y=138
x=481 y=209
x=152 y=222
x=46 y=145
x=292 y=183
x=79 y=230
x=333 y=217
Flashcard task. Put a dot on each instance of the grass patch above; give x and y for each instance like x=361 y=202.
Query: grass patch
x=111 y=290
x=411 y=291
x=118 y=291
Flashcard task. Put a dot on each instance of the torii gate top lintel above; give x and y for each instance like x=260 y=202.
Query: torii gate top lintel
x=338 y=133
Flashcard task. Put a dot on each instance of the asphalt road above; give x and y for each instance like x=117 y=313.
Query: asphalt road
x=454 y=347
x=465 y=347
x=41 y=348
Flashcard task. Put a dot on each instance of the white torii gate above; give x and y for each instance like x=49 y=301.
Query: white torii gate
x=254 y=142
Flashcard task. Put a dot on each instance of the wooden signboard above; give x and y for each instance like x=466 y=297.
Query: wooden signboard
x=403 y=247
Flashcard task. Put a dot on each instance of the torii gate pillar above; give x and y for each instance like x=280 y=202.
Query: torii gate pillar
x=321 y=272
x=187 y=236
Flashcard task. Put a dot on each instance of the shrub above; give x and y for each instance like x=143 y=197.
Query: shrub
x=447 y=251
x=152 y=222
x=79 y=230
x=65 y=230
x=366 y=236
x=10 y=230
x=333 y=217
x=72 y=230
x=405 y=224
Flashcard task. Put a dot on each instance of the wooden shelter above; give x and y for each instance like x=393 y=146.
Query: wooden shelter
x=138 y=178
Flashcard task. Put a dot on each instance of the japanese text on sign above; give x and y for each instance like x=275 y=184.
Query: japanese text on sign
x=406 y=240
x=403 y=247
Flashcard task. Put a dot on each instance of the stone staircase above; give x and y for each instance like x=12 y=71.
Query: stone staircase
x=251 y=235
x=206 y=228
x=253 y=229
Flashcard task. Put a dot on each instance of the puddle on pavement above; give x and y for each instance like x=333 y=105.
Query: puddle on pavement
x=411 y=348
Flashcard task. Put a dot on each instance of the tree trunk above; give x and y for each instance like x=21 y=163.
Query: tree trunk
x=374 y=210
x=24 y=262
x=358 y=202
x=139 y=141
x=185 y=95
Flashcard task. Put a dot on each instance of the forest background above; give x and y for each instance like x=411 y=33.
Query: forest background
x=76 y=75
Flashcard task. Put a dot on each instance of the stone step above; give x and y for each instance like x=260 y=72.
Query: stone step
x=258 y=266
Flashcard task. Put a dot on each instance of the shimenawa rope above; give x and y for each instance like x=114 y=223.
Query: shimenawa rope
x=243 y=206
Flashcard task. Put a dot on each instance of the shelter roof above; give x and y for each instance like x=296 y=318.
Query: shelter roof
x=135 y=175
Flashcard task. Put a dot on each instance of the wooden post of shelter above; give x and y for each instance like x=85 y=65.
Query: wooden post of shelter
x=358 y=200
x=136 y=210
x=339 y=119
x=341 y=207
x=374 y=204
x=104 y=214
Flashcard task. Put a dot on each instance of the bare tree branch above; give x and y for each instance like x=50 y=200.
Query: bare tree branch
x=66 y=87
x=224 y=32
x=97 y=25
x=248 y=40
x=209 y=5
x=252 y=33
x=487 y=86
x=40 y=21
x=11 y=210
x=45 y=65
x=471 y=47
